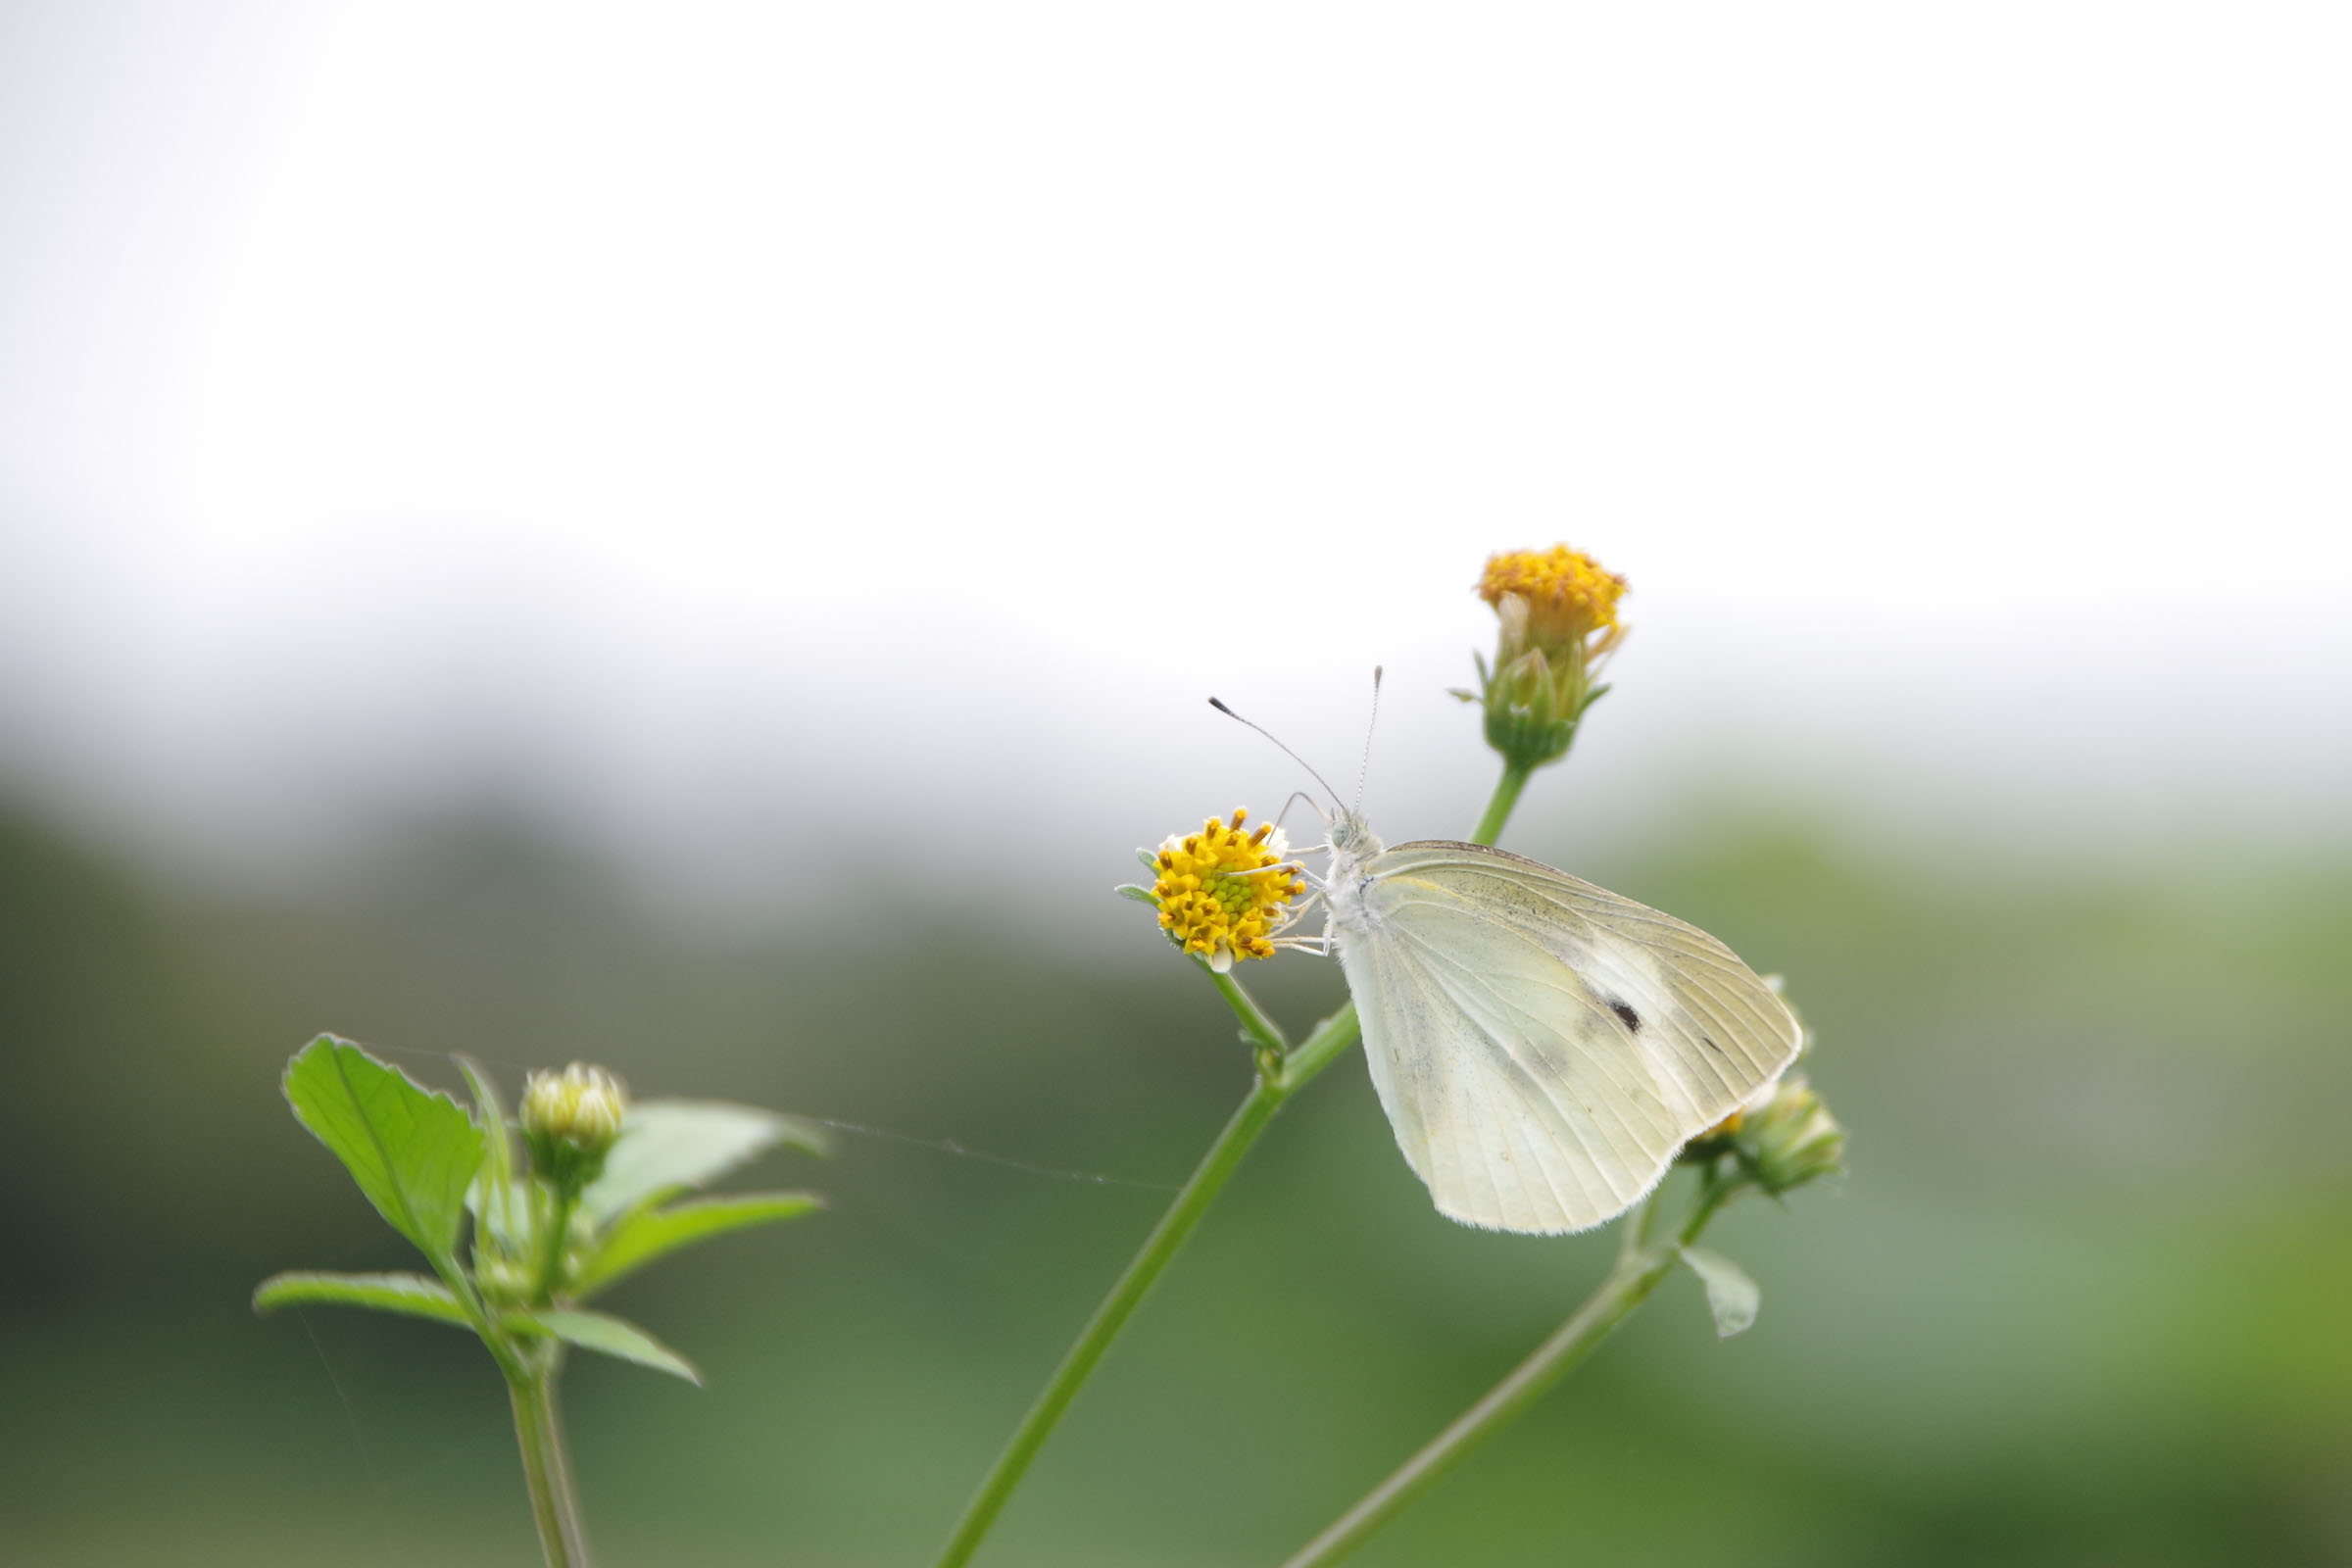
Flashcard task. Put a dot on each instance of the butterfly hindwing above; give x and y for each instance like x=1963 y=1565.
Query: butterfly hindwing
x=1544 y=1046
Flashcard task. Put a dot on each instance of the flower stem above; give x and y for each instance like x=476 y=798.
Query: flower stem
x=1262 y=1031
x=561 y=1202
x=1498 y=809
x=1320 y=1048
x=1193 y=1201
x=1639 y=1271
x=539 y=1431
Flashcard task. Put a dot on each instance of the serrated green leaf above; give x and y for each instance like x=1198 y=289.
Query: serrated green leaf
x=412 y=1294
x=412 y=1151
x=646 y=1234
x=607 y=1335
x=1730 y=1294
x=673 y=1144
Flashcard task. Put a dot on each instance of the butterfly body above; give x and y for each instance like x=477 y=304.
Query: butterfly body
x=1543 y=1046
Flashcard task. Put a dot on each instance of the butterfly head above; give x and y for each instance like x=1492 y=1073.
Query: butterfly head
x=1352 y=841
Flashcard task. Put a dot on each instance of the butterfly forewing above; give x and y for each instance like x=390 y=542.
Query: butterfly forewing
x=1541 y=1046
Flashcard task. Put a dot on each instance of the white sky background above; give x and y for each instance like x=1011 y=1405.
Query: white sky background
x=708 y=422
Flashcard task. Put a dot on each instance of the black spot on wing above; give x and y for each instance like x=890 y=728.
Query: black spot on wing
x=1627 y=1015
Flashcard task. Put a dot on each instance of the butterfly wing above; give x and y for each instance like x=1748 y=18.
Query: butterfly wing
x=1543 y=1046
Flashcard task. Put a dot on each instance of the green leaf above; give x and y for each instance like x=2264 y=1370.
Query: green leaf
x=412 y=1294
x=1128 y=890
x=646 y=1234
x=607 y=1335
x=1730 y=1294
x=672 y=1143
x=414 y=1153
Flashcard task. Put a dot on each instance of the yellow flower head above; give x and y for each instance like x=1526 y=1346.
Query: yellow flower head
x=1221 y=892
x=1558 y=611
x=1567 y=596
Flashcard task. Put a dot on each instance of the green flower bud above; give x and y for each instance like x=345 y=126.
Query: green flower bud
x=570 y=1121
x=1793 y=1139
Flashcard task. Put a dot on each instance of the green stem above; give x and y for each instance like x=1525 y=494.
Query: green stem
x=539 y=1431
x=1498 y=809
x=1638 y=1272
x=1263 y=1031
x=561 y=1202
x=1224 y=1155
x=1320 y=1050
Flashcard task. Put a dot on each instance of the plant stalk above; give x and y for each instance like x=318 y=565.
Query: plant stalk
x=1175 y=1226
x=555 y=1505
x=1498 y=809
x=1638 y=1270
x=1260 y=1030
x=560 y=1202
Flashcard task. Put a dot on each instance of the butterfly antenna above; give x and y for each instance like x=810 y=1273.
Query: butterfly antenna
x=1218 y=704
x=1364 y=770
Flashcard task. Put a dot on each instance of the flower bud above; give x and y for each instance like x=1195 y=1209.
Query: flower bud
x=1793 y=1139
x=570 y=1121
x=1558 y=614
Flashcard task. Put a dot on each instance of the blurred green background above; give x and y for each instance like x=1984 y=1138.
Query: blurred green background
x=2082 y=1297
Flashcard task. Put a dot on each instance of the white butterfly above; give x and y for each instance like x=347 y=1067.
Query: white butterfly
x=1543 y=1046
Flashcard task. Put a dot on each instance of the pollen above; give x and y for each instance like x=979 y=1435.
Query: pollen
x=1568 y=596
x=1222 y=892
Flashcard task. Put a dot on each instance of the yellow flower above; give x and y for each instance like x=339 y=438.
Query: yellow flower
x=1567 y=596
x=1222 y=892
x=1558 y=611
